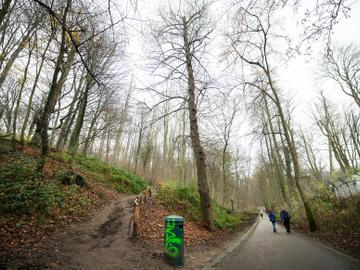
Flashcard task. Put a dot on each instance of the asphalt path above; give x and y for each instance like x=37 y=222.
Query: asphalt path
x=265 y=250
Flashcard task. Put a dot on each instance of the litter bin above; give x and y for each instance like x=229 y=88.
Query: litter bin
x=174 y=240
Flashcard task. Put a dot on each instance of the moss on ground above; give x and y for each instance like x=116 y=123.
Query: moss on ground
x=25 y=192
x=185 y=201
x=112 y=176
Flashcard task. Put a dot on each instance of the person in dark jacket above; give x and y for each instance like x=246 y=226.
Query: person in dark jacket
x=272 y=218
x=285 y=217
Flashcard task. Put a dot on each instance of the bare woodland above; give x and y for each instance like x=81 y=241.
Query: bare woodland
x=66 y=84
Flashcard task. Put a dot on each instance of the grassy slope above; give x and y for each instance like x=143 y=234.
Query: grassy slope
x=185 y=201
x=337 y=219
x=34 y=205
x=24 y=192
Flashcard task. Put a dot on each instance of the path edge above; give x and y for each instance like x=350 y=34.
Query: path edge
x=338 y=252
x=232 y=247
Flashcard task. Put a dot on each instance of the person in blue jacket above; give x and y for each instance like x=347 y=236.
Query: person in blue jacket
x=285 y=217
x=272 y=218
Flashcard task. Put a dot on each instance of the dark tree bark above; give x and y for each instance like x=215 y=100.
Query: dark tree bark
x=37 y=76
x=203 y=186
x=65 y=128
x=4 y=10
x=74 y=139
x=16 y=112
x=54 y=93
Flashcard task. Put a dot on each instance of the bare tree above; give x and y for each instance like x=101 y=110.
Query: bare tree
x=327 y=120
x=342 y=66
x=54 y=92
x=181 y=39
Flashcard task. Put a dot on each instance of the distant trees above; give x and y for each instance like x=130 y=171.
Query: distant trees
x=64 y=39
x=251 y=42
x=66 y=83
x=342 y=133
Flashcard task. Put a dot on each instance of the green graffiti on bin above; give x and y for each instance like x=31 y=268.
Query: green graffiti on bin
x=172 y=242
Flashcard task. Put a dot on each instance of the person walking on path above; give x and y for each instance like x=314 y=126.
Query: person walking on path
x=285 y=217
x=272 y=218
x=261 y=213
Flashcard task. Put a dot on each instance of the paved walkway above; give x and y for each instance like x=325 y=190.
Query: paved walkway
x=266 y=250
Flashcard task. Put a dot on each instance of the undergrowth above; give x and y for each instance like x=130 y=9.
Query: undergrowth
x=25 y=192
x=185 y=201
x=113 y=177
x=332 y=214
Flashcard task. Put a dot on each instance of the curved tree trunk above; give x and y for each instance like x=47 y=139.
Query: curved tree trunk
x=28 y=109
x=74 y=139
x=54 y=93
x=295 y=159
x=16 y=112
x=203 y=186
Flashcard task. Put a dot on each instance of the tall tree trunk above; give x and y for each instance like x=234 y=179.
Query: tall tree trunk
x=100 y=151
x=127 y=154
x=65 y=128
x=203 y=186
x=330 y=156
x=294 y=156
x=164 y=164
x=55 y=121
x=28 y=109
x=119 y=132
x=183 y=151
x=20 y=95
x=275 y=188
x=74 y=139
x=138 y=147
x=64 y=69
x=4 y=10
x=15 y=54
x=92 y=129
x=52 y=96
x=108 y=143
x=277 y=157
x=88 y=138
x=224 y=173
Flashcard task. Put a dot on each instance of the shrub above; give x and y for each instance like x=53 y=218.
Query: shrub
x=23 y=192
x=119 y=179
x=333 y=214
x=5 y=147
x=185 y=201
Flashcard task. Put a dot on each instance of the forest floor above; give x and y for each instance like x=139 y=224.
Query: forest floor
x=102 y=242
x=46 y=225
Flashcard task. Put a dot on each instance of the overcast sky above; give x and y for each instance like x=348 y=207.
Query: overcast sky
x=300 y=77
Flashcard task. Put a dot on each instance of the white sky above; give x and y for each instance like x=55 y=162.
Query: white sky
x=299 y=76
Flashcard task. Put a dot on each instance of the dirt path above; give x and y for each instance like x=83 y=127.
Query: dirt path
x=102 y=243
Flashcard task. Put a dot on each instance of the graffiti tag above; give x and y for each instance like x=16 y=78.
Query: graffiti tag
x=172 y=242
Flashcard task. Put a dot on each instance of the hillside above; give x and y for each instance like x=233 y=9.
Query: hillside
x=33 y=205
x=45 y=215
